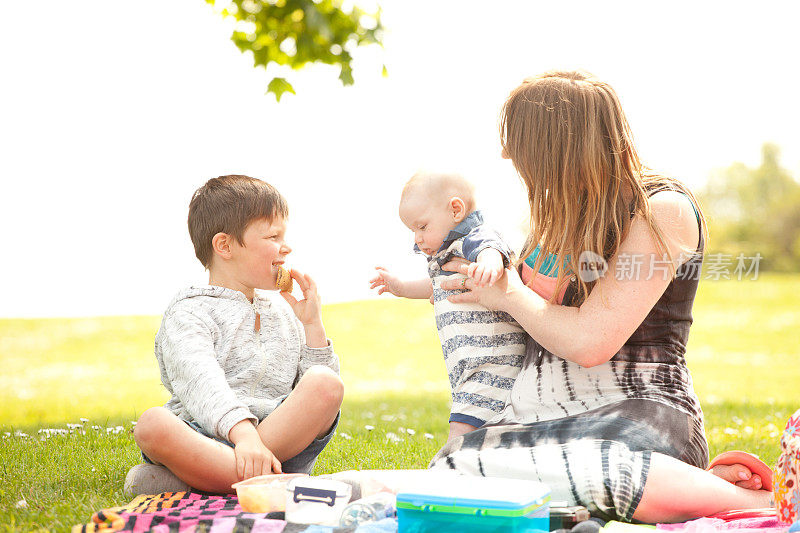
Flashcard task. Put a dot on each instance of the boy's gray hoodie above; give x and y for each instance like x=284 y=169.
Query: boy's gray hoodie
x=218 y=369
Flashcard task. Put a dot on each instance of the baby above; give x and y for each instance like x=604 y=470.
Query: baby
x=483 y=350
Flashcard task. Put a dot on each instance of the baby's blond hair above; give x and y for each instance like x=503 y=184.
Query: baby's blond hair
x=441 y=187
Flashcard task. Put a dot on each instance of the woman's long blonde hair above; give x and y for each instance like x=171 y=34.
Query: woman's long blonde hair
x=571 y=144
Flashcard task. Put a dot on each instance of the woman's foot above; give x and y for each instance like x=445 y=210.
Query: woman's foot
x=743 y=469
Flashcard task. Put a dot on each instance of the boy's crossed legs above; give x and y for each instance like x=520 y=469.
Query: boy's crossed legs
x=306 y=414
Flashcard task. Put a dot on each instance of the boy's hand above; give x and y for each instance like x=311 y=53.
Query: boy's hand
x=252 y=457
x=309 y=309
x=385 y=281
x=488 y=269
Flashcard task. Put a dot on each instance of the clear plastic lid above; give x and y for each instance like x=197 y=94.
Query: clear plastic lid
x=476 y=492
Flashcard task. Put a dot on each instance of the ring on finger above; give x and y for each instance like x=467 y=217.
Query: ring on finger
x=463 y=283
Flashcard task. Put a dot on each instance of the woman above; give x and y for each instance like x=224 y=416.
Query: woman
x=603 y=410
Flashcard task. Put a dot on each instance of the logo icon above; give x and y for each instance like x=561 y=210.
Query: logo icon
x=591 y=266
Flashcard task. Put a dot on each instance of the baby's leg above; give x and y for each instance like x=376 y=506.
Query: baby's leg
x=457 y=429
x=306 y=414
x=201 y=462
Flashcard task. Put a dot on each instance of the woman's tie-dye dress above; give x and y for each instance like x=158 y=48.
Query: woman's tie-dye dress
x=589 y=432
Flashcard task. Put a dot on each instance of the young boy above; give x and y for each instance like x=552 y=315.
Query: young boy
x=253 y=378
x=483 y=349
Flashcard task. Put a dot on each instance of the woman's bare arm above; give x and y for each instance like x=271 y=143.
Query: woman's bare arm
x=592 y=333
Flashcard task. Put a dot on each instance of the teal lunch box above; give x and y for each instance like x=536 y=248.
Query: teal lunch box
x=463 y=504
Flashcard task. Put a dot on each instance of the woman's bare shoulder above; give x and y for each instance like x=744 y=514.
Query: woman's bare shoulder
x=675 y=215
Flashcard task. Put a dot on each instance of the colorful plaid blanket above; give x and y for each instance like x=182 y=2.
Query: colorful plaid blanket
x=202 y=513
x=193 y=512
x=181 y=511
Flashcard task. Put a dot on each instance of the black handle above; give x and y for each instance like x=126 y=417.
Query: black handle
x=327 y=497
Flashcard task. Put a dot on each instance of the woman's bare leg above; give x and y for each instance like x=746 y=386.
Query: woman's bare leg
x=676 y=491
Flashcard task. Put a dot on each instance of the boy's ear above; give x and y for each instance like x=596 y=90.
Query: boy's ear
x=221 y=245
x=458 y=209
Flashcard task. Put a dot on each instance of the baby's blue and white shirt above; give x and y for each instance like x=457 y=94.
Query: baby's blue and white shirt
x=483 y=349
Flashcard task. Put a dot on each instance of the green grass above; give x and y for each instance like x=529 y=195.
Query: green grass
x=743 y=353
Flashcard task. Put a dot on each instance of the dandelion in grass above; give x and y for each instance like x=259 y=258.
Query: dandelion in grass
x=22 y=504
x=133 y=423
x=731 y=431
x=411 y=431
x=392 y=437
x=368 y=414
x=345 y=436
x=96 y=428
x=428 y=436
x=369 y=428
x=20 y=434
x=738 y=421
x=387 y=418
x=83 y=420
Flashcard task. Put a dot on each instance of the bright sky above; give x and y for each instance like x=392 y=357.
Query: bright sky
x=113 y=113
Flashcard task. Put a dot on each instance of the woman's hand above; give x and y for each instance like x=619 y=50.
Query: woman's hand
x=494 y=297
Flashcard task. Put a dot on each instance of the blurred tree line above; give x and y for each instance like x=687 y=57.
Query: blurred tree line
x=755 y=210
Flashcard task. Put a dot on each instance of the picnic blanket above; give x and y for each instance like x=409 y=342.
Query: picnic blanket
x=191 y=511
x=196 y=512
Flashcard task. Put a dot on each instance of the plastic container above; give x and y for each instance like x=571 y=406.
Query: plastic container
x=465 y=504
x=316 y=501
x=264 y=494
x=370 y=509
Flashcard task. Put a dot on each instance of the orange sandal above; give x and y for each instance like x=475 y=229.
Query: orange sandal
x=756 y=465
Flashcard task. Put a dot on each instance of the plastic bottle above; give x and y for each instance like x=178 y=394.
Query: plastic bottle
x=370 y=509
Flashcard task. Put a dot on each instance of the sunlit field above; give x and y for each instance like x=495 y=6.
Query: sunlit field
x=744 y=354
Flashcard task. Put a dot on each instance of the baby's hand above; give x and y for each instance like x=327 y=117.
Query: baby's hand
x=385 y=281
x=488 y=269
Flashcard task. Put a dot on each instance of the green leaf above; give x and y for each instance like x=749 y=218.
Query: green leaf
x=322 y=32
x=278 y=86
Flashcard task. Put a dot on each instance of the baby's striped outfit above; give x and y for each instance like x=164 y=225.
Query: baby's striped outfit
x=483 y=349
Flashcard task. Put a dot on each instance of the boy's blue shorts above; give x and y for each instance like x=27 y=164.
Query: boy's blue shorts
x=302 y=463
